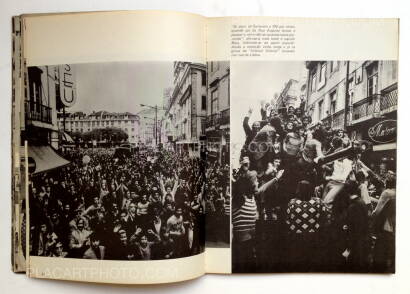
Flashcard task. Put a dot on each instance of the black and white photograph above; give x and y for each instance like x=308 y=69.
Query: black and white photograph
x=314 y=166
x=117 y=160
x=218 y=196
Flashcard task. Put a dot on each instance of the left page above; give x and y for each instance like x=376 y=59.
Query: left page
x=115 y=182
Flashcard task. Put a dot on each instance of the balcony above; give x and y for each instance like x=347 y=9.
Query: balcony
x=218 y=119
x=388 y=101
x=224 y=119
x=36 y=111
x=366 y=108
x=213 y=120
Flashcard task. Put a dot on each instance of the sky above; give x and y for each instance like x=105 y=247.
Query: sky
x=253 y=81
x=120 y=86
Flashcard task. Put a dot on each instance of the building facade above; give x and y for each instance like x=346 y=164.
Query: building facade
x=358 y=96
x=184 y=119
x=45 y=92
x=217 y=116
x=292 y=94
x=79 y=122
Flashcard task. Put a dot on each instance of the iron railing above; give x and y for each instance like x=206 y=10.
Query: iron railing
x=37 y=112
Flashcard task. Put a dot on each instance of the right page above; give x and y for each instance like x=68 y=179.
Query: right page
x=313 y=127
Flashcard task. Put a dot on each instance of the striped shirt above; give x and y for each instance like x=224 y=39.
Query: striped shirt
x=244 y=218
x=227 y=207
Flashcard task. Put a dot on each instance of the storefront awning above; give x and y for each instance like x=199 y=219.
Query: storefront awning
x=44 y=158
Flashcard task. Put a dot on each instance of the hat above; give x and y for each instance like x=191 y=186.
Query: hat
x=309 y=152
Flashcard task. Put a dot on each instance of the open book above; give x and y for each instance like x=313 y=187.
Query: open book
x=154 y=147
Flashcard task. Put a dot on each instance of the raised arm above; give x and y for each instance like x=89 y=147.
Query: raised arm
x=246 y=127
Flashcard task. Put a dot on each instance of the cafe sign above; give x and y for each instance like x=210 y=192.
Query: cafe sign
x=384 y=131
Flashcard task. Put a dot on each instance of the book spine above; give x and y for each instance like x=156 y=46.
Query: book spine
x=18 y=167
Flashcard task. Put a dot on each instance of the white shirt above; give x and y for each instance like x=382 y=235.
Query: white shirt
x=341 y=169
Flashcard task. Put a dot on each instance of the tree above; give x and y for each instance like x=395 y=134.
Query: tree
x=107 y=134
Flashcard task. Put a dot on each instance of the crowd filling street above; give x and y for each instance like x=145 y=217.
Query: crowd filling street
x=142 y=205
x=305 y=199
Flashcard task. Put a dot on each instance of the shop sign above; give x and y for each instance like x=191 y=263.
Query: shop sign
x=67 y=86
x=384 y=131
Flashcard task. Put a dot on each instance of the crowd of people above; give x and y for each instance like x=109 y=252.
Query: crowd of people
x=136 y=206
x=303 y=199
x=217 y=205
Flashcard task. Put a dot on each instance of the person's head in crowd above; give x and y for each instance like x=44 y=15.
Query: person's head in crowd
x=299 y=130
x=276 y=163
x=128 y=195
x=123 y=237
x=80 y=224
x=168 y=198
x=91 y=182
x=306 y=121
x=94 y=240
x=96 y=200
x=144 y=198
x=245 y=163
x=132 y=208
x=54 y=216
x=298 y=112
x=123 y=216
x=304 y=190
x=337 y=143
x=276 y=123
x=59 y=249
x=169 y=206
x=133 y=196
x=289 y=128
x=43 y=228
x=291 y=110
x=256 y=126
x=67 y=208
x=156 y=196
x=178 y=211
x=143 y=240
x=78 y=212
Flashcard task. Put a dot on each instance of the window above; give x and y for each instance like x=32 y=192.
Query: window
x=322 y=75
x=203 y=78
x=214 y=101
x=334 y=66
x=333 y=107
x=203 y=103
x=333 y=102
x=320 y=108
x=313 y=83
x=359 y=75
x=372 y=78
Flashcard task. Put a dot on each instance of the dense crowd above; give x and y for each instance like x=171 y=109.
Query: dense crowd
x=134 y=206
x=217 y=205
x=304 y=200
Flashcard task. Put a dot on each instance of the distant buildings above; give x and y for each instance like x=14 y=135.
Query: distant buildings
x=292 y=94
x=79 y=122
